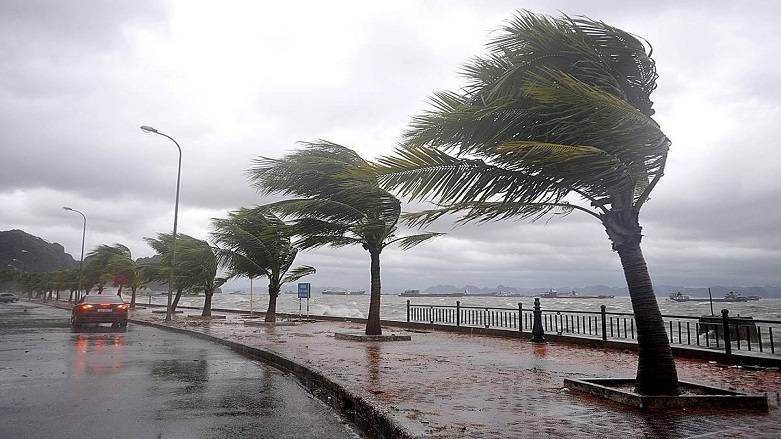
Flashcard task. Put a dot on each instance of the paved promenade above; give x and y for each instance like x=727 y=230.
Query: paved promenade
x=447 y=385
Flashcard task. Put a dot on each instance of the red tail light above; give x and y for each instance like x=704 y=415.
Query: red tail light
x=86 y=307
x=122 y=307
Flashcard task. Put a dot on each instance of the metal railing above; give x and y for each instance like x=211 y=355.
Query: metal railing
x=743 y=334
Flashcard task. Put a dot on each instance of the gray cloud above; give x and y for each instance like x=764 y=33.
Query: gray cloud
x=238 y=80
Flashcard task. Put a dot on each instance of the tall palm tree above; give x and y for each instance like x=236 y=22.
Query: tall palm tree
x=255 y=242
x=196 y=266
x=556 y=118
x=337 y=203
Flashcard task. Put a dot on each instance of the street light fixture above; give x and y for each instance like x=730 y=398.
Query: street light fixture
x=83 y=235
x=148 y=129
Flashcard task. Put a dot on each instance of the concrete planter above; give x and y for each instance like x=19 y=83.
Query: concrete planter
x=359 y=336
x=692 y=395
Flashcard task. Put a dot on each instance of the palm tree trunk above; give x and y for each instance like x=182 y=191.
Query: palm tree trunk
x=70 y=296
x=271 y=312
x=119 y=291
x=656 y=373
x=373 y=322
x=176 y=299
x=133 y=297
x=207 y=304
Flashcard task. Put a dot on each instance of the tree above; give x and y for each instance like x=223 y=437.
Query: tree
x=196 y=266
x=338 y=203
x=126 y=271
x=255 y=242
x=556 y=118
x=98 y=260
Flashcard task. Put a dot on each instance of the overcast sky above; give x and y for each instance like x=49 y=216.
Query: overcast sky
x=234 y=80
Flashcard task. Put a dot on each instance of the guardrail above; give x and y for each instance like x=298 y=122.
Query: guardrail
x=710 y=332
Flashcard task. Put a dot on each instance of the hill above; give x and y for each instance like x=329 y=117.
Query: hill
x=21 y=251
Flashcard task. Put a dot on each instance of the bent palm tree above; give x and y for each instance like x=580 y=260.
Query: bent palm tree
x=133 y=273
x=98 y=266
x=255 y=242
x=339 y=203
x=560 y=107
x=196 y=267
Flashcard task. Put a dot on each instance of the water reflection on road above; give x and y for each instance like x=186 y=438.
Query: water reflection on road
x=143 y=383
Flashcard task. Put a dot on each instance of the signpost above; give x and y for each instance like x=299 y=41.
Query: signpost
x=304 y=291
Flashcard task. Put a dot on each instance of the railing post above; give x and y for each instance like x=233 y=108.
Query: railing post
x=604 y=321
x=538 y=334
x=727 y=338
x=407 y=310
x=520 y=317
x=458 y=313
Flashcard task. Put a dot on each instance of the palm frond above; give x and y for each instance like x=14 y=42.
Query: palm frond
x=407 y=242
x=297 y=273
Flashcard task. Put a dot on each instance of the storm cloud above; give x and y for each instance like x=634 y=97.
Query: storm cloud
x=234 y=80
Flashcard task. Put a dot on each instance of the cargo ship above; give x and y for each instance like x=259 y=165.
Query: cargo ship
x=553 y=294
x=417 y=293
x=729 y=297
x=343 y=293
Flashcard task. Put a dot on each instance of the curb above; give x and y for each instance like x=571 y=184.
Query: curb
x=370 y=419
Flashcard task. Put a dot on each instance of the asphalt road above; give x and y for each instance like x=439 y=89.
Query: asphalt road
x=145 y=383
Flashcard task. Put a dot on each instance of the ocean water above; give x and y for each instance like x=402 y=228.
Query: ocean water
x=394 y=306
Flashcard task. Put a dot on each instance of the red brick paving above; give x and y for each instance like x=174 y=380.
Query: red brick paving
x=446 y=385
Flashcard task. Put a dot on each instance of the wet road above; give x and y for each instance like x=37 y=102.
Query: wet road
x=144 y=383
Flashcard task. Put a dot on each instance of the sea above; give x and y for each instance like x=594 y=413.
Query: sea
x=393 y=306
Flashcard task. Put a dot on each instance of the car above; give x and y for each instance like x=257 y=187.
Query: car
x=8 y=297
x=100 y=308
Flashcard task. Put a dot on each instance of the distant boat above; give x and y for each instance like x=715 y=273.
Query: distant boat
x=553 y=294
x=417 y=293
x=732 y=296
x=343 y=293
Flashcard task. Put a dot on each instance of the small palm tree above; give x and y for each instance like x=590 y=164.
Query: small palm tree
x=559 y=111
x=255 y=242
x=338 y=203
x=196 y=266
x=98 y=265
x=125 y=270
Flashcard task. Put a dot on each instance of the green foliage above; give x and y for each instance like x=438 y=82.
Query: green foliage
x=255 y=243
x=558 y=107
x=196 y=263
x=338 y=201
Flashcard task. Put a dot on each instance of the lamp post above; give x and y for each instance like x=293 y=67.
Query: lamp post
x=148 y=129
x=81 y=261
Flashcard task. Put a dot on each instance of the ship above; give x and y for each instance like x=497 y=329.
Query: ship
x=343 y=293
x=732 y=296
x=417 y=293
x=553 y=294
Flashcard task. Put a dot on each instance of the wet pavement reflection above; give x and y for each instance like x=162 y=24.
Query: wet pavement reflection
x=448 y=385
x=142 y=383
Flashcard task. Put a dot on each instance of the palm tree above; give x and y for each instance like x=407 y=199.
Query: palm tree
x=128 y=272
x=255 y=242
x=196 y=266
x=338 y=203
x=98 y=270
x=556 y=118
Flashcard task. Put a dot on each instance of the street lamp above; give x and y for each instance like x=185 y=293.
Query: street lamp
x=81 y=261
x=148 y=129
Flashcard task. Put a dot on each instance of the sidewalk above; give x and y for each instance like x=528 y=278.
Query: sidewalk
x=451 y=385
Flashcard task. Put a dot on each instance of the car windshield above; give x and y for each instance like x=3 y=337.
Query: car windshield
x=103 y=298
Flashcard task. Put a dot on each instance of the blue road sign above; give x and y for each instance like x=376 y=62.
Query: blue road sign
x=304 y=290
